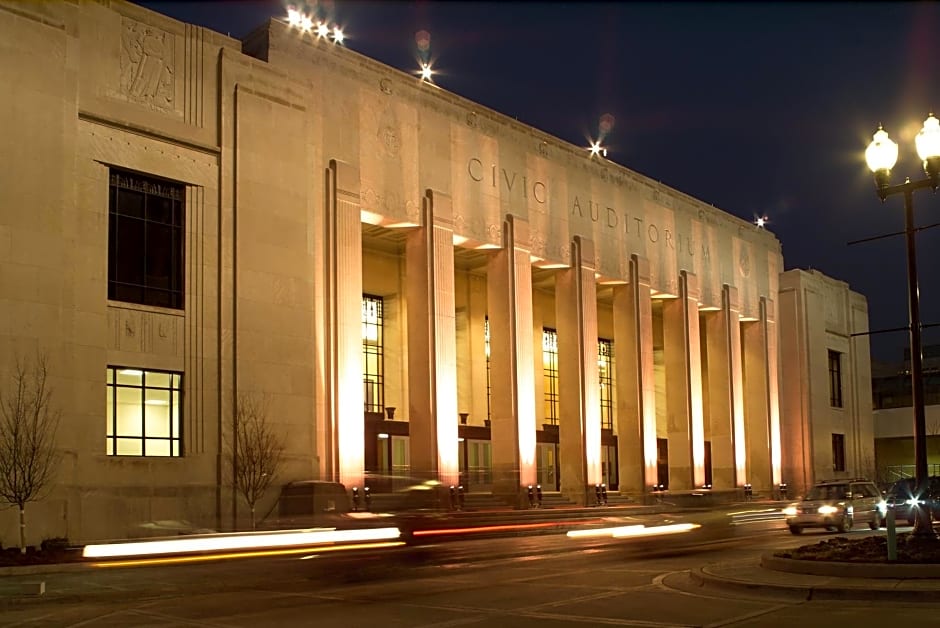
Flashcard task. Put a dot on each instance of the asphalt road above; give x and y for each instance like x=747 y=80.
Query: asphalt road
x=545 y=581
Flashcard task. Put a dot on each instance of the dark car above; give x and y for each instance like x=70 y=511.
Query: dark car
x=901 y=498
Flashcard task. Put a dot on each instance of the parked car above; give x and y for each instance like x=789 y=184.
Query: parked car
x=901 y=498
x=837 y=505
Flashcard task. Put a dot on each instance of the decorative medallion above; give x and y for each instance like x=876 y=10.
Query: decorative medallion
x=390 y=141
x=386 y=86
x=472 y=120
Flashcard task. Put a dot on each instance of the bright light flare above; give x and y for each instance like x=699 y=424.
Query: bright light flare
x=426 y=72
x=323 y=30
x=254 y=541
x=597 y=150
x=338 y=35
x=294 y=17
x=761 y=221
x=789 y=511
x=882 y=153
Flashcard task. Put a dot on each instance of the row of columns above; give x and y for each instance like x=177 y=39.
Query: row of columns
x=743 y=427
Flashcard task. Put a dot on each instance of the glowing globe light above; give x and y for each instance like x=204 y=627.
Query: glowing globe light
x=423 y=40
x=322 y=29
x=761 y=221
x=306 y=24
x=882 y=153
x=426 y=72
x=928 y=140
x=338 y=35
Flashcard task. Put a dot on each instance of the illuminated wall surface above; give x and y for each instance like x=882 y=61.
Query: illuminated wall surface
x=262 y=193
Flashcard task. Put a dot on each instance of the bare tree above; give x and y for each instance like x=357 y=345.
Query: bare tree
x=28 y=425
x=255 y=450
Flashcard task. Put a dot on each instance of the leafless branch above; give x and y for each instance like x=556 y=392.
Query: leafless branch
x=255 y=450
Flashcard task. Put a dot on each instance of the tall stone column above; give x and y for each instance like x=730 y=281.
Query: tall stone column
x=768 y=310
x=432 y=342
x=512 y=404
x=579 y=429
x=634 y=381
x=343 y=433
x=725 y=395
x=683 y=357
x=756 y=400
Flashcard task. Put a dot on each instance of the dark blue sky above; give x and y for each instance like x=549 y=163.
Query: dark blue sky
x=762 y=108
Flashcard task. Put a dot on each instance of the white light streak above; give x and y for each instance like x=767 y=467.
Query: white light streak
x=258 y=540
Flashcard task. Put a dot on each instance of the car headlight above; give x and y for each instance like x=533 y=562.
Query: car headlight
x=882 y=506
x=827 y=510
x=789 y=511
x=914 y=502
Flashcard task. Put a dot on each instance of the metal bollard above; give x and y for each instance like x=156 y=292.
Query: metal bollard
x=748 y=492
x=355 y=495
x=453 y=497
x=597 y=494
x=368 y=497
x=604 y=493
x=460 y=493
x=538 y=495
x=531 y=495
x=783 y=490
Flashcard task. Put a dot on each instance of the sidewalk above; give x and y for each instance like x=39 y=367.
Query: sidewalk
x=751 y=576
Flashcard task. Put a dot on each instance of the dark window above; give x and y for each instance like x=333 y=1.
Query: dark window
x=144 y=412
x=835 y=379
x=145 y=240
x=373 y=353
x=838 y=452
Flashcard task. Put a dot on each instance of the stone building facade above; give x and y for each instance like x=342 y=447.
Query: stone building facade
x=414 y=283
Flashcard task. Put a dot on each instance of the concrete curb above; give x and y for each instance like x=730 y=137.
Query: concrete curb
x=896 y=590
x=850 y=569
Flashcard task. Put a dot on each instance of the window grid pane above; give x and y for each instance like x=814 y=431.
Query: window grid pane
x=835 y=379
x=489 y=384
x=550 y=374
x=144 y=413
x=373 y=353
x=145 y=240
x=605 y=355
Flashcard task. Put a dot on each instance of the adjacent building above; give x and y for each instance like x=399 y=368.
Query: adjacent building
x=412 y=283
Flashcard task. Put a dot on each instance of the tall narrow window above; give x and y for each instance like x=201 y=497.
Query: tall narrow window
x=605 y=356
x=144 y=412
x=489 y=386
x=373 y=350
x=835 y=379
x=550 y=370
x=145 y=240
x=838 y=452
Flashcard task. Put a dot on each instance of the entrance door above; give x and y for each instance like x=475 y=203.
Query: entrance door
x=609 y=466
x=547 y=466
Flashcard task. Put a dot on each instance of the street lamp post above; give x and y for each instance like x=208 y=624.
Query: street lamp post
x=881 y=156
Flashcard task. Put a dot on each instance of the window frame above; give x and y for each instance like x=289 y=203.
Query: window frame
x=112 y=437
x=550 y=374
x=835 y=379
x=158 y=198
x=373 y=380
x=838 y=452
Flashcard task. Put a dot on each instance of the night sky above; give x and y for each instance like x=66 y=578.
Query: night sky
x=758 y=109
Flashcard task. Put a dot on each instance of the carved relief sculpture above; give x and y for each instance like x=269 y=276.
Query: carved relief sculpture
x=147 y=65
